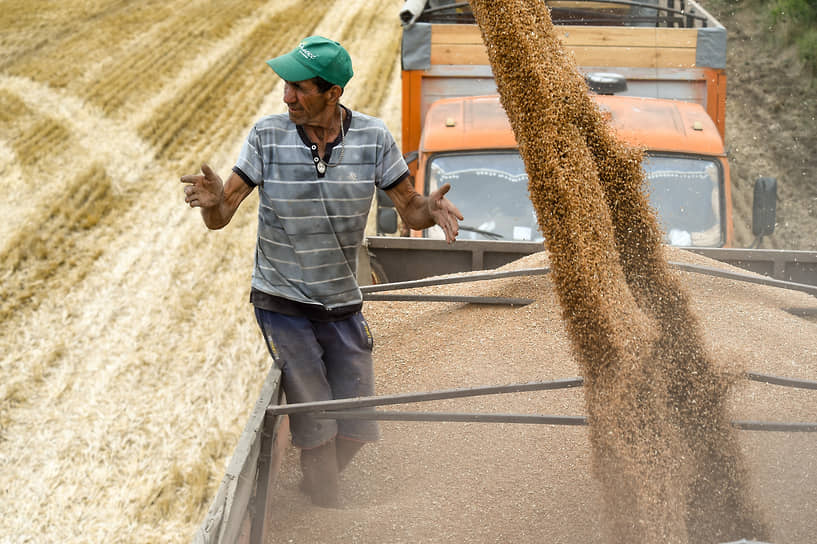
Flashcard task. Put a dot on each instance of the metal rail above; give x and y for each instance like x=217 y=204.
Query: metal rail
x=770 y=426
x=454 y=279
x=778 y=380
x=684 y=267
x=455 y=417
x=351 y=408
x=450 y=298
x=739 y=276
x=681 y=14
x=404 y=398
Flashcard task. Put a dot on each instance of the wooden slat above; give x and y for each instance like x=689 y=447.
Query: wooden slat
x=455 y=34
x=627 y=47
x=575 y=35
x=459 y=54
x=628 y=36
x=634 y=57
x=630 y=57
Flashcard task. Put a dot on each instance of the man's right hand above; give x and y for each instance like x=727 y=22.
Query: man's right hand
x=205 y=190
x=218 y=201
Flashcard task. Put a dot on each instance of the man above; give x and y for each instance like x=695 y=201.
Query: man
x=316 y=169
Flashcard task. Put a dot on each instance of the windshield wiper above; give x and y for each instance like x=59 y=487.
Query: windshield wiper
x=486 y=233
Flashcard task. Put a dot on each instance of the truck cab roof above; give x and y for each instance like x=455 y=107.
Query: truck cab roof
x=479 y=122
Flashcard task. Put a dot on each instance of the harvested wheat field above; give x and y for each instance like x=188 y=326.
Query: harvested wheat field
x=129 y=356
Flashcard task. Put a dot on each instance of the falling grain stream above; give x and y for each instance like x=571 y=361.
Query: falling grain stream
x=663 y=450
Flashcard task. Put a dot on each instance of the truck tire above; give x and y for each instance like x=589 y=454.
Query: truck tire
x=377 y=271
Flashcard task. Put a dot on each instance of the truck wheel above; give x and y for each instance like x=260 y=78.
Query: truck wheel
x=378 y=273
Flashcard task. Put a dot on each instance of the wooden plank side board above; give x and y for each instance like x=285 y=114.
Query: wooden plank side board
x=634 y=57
x=629 y=36
x=225 y=520
x=278 y=437
x=581 y=35
x=455 y=34
x=238 y=505
x=458 y=53
x=625 y=46
x=630 y=57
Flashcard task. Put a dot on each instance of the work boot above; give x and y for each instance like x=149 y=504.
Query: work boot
x=320 y=468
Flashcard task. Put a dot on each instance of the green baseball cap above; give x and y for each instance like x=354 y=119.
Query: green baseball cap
x=315 y=56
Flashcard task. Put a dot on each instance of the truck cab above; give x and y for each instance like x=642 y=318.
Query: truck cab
x=657 y=68
x=468 y=142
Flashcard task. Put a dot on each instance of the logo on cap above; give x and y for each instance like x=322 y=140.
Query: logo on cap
x=306 y=53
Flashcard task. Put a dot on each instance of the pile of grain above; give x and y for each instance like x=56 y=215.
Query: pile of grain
x=663 y=449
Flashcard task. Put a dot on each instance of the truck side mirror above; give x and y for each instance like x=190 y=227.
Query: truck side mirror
x=386 y=214
x=386 y=220
x=764 y=206
x=606 y=83
x=411 y=156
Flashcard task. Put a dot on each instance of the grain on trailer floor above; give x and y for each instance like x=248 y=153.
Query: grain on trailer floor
x=457 y=482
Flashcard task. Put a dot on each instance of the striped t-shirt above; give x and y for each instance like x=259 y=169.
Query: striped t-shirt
x=310 y=225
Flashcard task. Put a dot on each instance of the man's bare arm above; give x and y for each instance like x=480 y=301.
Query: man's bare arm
x=218 y=201
x=420 y=212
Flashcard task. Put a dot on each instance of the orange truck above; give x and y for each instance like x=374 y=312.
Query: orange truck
x=657 y=69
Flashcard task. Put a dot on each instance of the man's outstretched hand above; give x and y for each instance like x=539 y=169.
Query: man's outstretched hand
x=204 y=190
x=444 y=213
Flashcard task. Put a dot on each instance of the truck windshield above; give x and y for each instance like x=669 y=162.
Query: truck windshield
x=686 y=195
x=491 y=191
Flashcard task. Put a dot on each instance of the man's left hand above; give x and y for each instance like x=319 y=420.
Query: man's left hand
x=445 y=214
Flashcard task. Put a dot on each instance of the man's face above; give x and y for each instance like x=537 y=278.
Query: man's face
x=306 y=104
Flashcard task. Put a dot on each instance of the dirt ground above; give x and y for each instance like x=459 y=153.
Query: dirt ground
x=129 y=358
x=771 y=125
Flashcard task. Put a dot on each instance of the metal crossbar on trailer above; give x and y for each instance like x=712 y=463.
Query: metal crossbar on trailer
x=406 y=258
x=749 y=278
x=366 y=290
x=502 y=301
x=785 y=382
x=351 y=408
x=452 y=417
x=684 y=267
x=456 y=417
x=405 y=398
